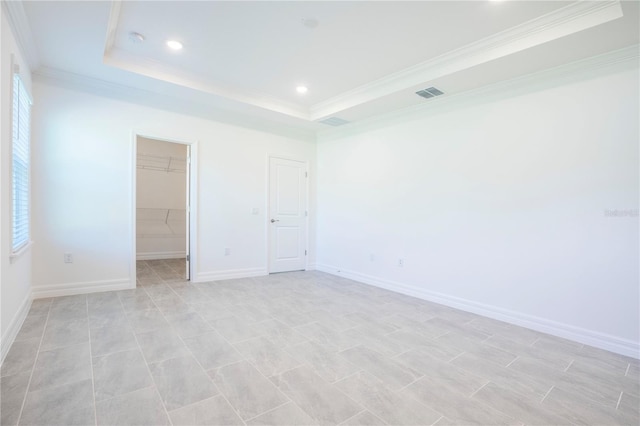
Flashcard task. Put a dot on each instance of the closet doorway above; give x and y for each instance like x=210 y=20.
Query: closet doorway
x=162 y=219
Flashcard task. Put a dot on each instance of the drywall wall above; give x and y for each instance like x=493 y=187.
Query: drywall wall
x=83 y=155
x=161 y=199
x=15 y=280
x=502 y=207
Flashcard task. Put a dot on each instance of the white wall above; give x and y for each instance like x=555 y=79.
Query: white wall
x=161 y=199
x=497 y=207
x=83 y=189
x=15 y=280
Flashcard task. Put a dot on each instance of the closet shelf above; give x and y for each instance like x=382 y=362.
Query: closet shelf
x=167 y=235
x=167 y=164
x=161 y=215
x=160 y=223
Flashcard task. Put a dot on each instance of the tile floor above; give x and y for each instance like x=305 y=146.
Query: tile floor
x=297 y=348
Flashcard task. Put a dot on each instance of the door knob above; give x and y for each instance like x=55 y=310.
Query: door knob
x=275 y=220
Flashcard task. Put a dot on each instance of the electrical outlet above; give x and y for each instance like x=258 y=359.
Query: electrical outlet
x=68 y=258
x=400 y=262
x=255 y=211
x=227 y=251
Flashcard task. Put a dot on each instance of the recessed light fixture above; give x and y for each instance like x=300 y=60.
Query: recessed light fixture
x=135 y=37
x=302 y=89
x=174 y=44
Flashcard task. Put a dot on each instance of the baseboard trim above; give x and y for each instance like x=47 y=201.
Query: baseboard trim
x=229 y=274
x=567 y=331
x=68 y=289
x=161 y=255
x=14 y=328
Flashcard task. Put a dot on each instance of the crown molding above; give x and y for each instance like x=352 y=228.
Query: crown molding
x=112 y=25
x=618 y=60
x=19 y=23
x=124 y=60
x=559 y=23
x=562 y=22
x=181 y=105
x=622 y=59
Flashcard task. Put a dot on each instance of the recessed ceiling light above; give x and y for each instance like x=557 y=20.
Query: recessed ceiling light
x=302 y=89
x=135 y=37
x=174 y=44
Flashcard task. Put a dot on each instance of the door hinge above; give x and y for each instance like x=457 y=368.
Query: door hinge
x=306 y=213
x=188 y=258
x=306 y=174
x=305 y=252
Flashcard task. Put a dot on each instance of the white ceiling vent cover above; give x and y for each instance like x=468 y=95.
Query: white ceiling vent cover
x=334 y=121
x=430 y=92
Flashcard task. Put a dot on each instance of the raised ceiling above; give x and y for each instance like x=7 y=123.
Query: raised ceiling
x=358 y=58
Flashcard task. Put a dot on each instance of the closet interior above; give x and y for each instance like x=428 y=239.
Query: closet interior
x=161 y=200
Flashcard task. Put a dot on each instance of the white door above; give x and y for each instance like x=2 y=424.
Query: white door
x=287 y=215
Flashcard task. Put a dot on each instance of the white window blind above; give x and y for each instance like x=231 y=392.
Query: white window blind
x=20 y=164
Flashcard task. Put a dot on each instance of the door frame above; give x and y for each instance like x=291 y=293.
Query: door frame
x=268 y=233
x=192 y=200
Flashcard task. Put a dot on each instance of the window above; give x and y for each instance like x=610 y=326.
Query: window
x=20 y=165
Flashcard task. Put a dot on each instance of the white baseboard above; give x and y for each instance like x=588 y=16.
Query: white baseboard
x=588 y=337
x=161 y=255
x=69 y=289
x=229 y=274
x=16 y=324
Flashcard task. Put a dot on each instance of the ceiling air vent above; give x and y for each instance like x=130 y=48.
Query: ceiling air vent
x=431 y=92
x=334 y=121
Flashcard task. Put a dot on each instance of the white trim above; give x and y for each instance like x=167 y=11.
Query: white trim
x=180 y=102
x=112 y=25
x=311 y=267
x=156 y=255
x=617 y=60
x=69 y=289
x=229 y=274
x=133 y=271
x=15 y=255
x=589 y=337
x=14 y=327
x=19 y=23
x=570 y=19
x=151 y=68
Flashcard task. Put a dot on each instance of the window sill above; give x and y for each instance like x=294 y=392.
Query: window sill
x=18 y=253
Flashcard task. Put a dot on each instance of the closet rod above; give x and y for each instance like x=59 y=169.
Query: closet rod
x=161 y=169
x=161 y=163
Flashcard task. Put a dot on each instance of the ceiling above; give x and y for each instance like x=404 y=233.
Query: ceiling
x=357 y=58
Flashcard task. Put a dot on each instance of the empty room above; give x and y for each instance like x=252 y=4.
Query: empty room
x=320 y=212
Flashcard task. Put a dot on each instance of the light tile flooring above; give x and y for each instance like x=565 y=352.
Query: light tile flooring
x=297 y=348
